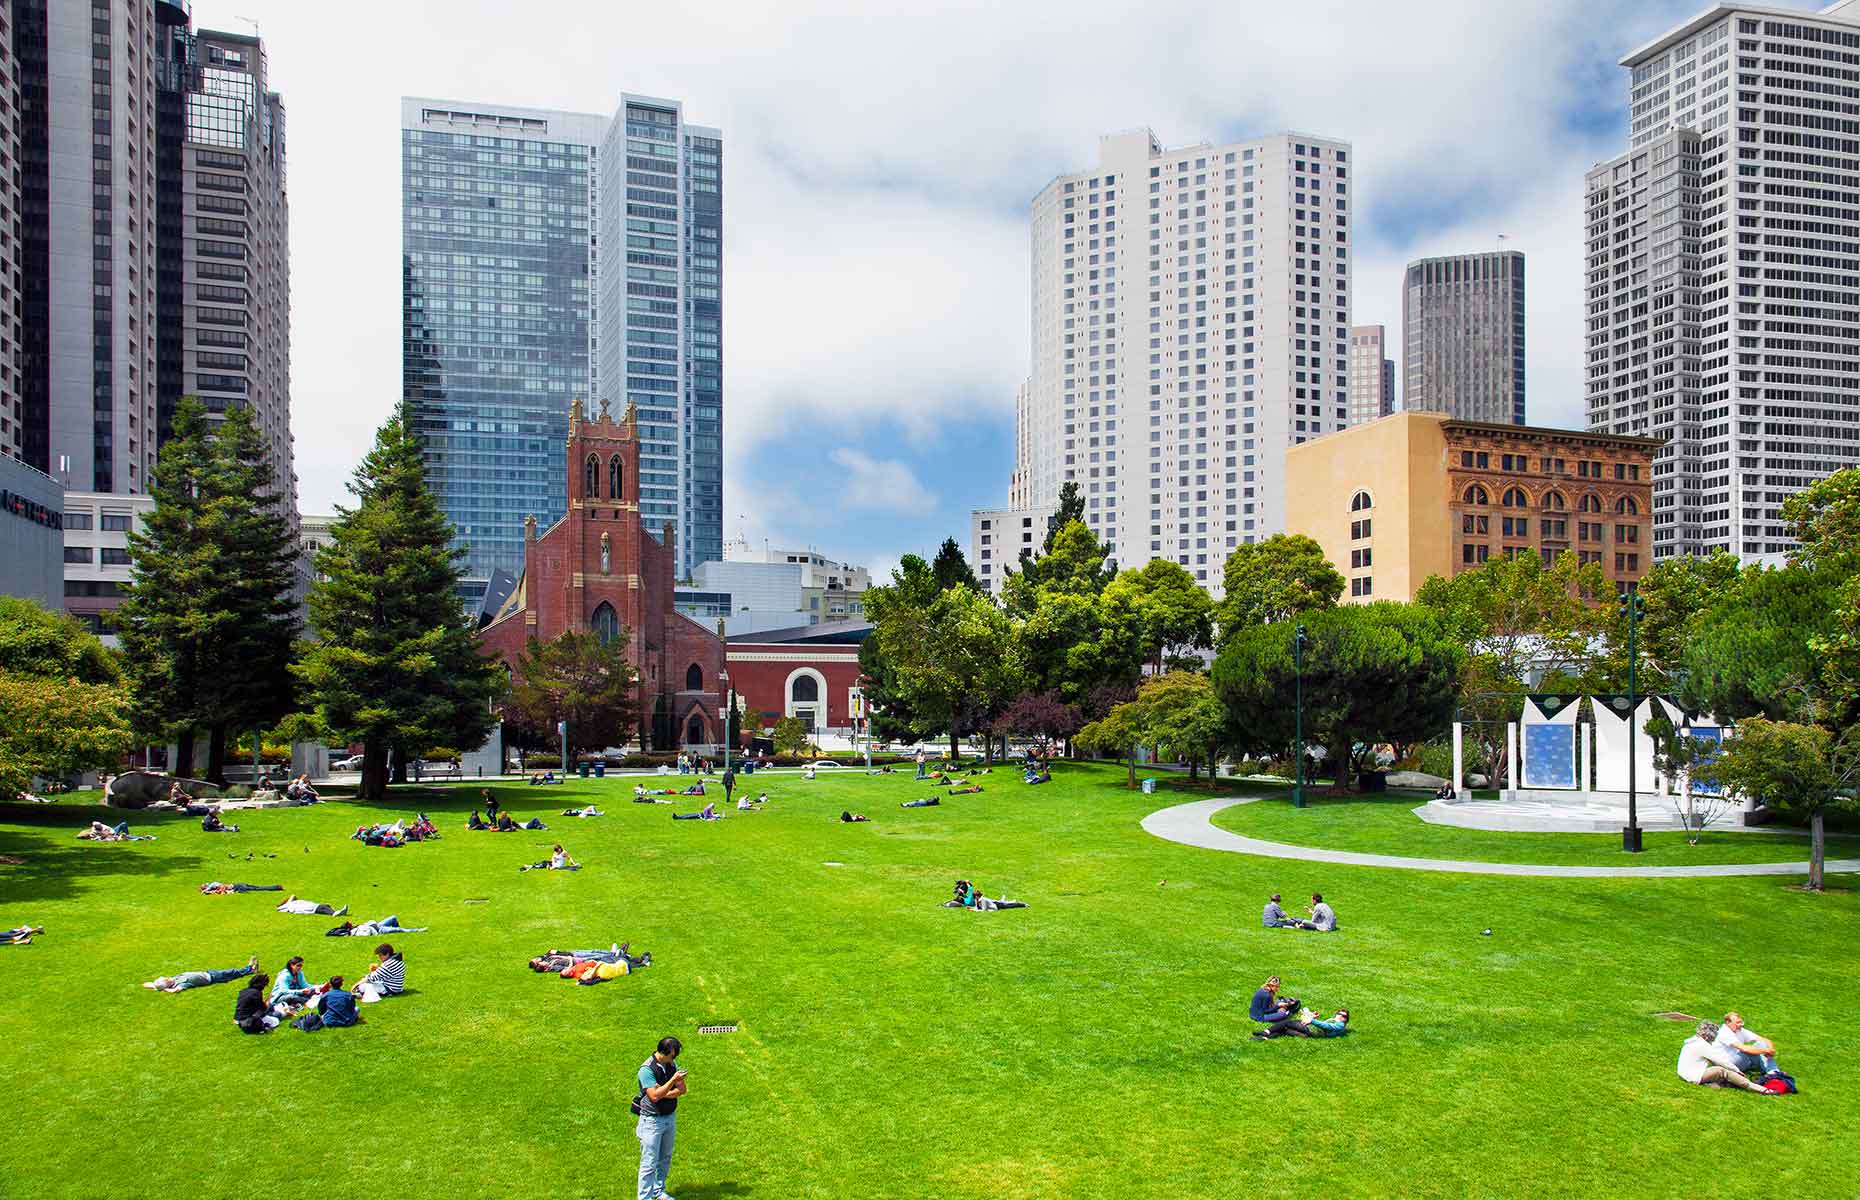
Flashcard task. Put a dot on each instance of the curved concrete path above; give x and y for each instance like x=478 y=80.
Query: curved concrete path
x=1191 y=825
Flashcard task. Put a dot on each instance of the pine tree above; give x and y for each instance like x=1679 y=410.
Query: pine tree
x=397 y=662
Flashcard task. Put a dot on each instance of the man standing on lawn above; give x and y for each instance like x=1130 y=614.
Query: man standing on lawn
x=729 y=782
x=660 y=1085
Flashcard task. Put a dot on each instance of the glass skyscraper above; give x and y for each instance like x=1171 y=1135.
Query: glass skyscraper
x=508 y=313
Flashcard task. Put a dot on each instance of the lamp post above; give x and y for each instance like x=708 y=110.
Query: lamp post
x=729 y=722
x=1631 y=608
x=1298 y=671
x=561 y=727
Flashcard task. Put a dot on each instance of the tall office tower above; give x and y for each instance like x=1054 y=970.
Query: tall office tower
x=11 y=415
x=496 y=243
x=1372 y=374
x=1204 y=292
x=223 y=301
x=1721 y=271
x=660 y=328
x=87 y=187
x=1463 y=337
x=1020 y=481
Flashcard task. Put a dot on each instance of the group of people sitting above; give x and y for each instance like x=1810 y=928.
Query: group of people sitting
x=970 y=897
x=330 y=1004
x=543 y=779
x=590 y=967
x=399 y=833
x=558 y=860
x=99 y=832
x=1284 y=1016
x=503 y=822
x=1732 y=1055
x=1322 y=918
x=297 y=790
x=1036 y=772
x=211 y=823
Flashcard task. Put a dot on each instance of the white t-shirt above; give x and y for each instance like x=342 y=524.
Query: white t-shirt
x=1733 y=1037
x=297 y=906
x=1696 y=1055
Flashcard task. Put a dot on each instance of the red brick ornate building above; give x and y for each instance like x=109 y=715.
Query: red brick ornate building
x=599 y=569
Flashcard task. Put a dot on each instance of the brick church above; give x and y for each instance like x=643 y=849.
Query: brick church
x=599 y=569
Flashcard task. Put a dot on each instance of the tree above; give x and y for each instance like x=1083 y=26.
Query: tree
x=955 y=660
x=1825 y=520
x=791 y=735
x=1074 y=564
x=1675 y=595
x=1062 y=638
x=892 y=718
x=397 y=663
x=1175 y=714
x=1679 y=757
x=1071 y=508
x=1753 y=653
x=950 y=568
x=577 y=679
x=1795 y=768
x=1160 y=608
x=1275 y=579
x=62 y=707
x=210 y=621
x=1373 y=673
x=1118 y=732
x=1039 y=714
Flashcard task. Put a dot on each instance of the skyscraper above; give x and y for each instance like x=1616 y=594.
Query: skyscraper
x=508 y=316
x=1204 y=292
x=1721 y=271
x=1372 y=374
x=11 y=413
x=1463 y=337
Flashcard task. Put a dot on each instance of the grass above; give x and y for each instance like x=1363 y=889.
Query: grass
x=1386 y=824
x=1093 y=1045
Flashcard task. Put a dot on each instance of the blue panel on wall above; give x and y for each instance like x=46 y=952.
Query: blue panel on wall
x=1550 y=756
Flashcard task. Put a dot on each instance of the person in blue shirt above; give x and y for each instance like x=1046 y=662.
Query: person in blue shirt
x=1278 y=1014
x=291 y=988
x=338 y=1008
x=661 y=1083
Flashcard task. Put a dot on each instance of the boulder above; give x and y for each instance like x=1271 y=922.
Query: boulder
x=139 y=789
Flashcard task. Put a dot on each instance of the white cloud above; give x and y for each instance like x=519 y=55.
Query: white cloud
x=864 y=483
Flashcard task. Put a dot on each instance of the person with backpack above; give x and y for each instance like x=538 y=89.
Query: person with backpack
x=661 y=1083
x=1707 y=1064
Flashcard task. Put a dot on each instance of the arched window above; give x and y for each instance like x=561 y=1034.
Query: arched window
x=1360 y=501
x=1590 y=503
x=1554 y=501
x=694 y=679
x=694 y=731
x=613 y=478
x=591 y=479
x=1626 y=506
x=1477 y=495
x=606 y=623
x=806 y=690
x=1515 y=498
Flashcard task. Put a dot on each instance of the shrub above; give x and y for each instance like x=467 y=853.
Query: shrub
x=541 y=761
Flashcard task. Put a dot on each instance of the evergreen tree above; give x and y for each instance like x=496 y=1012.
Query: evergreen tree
x=397 y=661
x=951 y=568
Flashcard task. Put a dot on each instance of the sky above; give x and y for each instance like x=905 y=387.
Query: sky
x=880 y=159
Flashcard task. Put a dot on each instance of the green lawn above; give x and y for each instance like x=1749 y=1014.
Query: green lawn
x=1093 y=1045
x=1386 y=824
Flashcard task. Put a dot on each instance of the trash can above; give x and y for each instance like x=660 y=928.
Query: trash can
x=584 y=770
x=1149 y=787
x=600 y=769
x=1373 y=781
x=749 y=766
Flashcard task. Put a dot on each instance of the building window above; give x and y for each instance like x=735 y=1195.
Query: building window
x=614 y=478
x=1360 y=557
x=1359 y=529
x=112 y=556
x=1475 y=524
x=115 y=523
x=77 y=554
x=1517 y=527
x=1590 y=503
x=1477 y=495
x=1626 y=506
x=694 y=678
x=806 y=690
x=591 y=478
x=1360 y=501
x=1515 y=498
x=606 y=623
x=1554 y=501
x=77 y=520
x=1362 y=587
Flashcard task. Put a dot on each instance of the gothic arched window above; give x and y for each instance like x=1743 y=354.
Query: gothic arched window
x=694 y=679
x=591 y=479
x=606 y=623
x=613 y=478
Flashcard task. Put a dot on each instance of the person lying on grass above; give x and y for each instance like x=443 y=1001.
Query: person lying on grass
x=970 y=897
x=707 y=813
x=618 y=956
x=847 y=816
x=99 y=832
x=211 y=823
x=599 y=970
x=1702 y=1061
x=389 y=924
x=250 y=1012
x=217 y=888
x=310 y=908
x=926 y=802
x=879 y=771
x=589 y=811
x=644 y=795
x=966 y=791
x=380 y=834
x=1307 y=1024
x=387 y=977
x=558 y=860
x=1278 y=1013
x=20 y=935
x=181 y=981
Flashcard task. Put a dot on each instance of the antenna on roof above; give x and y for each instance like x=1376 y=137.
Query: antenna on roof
x=248 y=21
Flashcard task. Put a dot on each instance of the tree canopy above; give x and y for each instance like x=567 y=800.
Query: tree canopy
x=1161 y=610
x=1272 y=580
x=951 y=567
x=578 y=679
x=1798 y=769
x=62 y=707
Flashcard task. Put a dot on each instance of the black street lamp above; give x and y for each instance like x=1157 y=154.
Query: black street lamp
x=1631 y=608
x=1299 y=641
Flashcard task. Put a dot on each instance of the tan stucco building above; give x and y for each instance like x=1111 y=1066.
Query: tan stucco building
x=1418 y=494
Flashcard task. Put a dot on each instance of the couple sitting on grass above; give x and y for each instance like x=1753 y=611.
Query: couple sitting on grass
x=1323 y=919
x=99 y=832
x=558 y=860
x=591 y=966
x=1284 y=1017
x=1726 y=1056
x=970 y=897
x=503 y=823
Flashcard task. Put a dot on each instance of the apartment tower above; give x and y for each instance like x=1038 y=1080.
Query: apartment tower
x=1372 y=374
x=1722 y=256
x=1190 y=323
x=1463 y=337
x=11 y=415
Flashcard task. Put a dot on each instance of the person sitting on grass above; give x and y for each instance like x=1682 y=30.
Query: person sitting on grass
x=505 y=824
x=970 y=897
x=333 y=1009
x=544 y=779
x=20 y=935
x=310 y=908
x=1273 y=917
x=422 y=828
x=696 y=789
x=177 y=795
x=589 y=811
x=1750 y=1051
x=299 y=789
x=1323 y=919
x=226 y=889
x=211 y=823
x=807 y=771
x=1278 y=1013
x=970 y=790
x=847 y=816
x=745 y=804
x=707 y=813
x=558 y=860
x=388 y=977
x=181 y=981
x=250 y=1012
x=475 y=821
x=1702 y=1061
x=1036 y=775
x=926 y=802
x=292 y=988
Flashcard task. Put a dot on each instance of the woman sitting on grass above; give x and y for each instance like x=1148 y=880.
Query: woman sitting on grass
x=292 y=989
x=745 y=804
x=505 y=824
x=970 y=897
x=250 y=1012
x=558 y=860
x=1703 y=1062
x=475 y=821
x=388 y=977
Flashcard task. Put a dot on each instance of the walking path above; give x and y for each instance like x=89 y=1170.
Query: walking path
x=1191 y=825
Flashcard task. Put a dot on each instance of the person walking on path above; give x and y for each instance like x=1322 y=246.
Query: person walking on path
x=661 y=1083
x=729 y=781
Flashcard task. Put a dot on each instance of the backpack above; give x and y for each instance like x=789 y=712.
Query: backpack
x=310 y=1022
x=1778 y=1082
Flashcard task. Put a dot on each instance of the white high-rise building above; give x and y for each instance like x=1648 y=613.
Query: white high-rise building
x=1372 y=374
x=1191 y=321
x=1722 y=256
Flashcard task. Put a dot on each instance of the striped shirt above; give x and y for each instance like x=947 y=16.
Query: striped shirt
x=390 y=976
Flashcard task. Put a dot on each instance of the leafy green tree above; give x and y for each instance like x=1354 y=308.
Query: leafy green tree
x=577 y=679
x=1040 y=714
x=1064 y=643
x=210 y=621
x=956 y=660
x=1161 y=608
x=1825 y=519
x=1174 y=715
x=913 y=586
x=1373 y=673
x=1675 y=595
x=1274 y=579
x=62 y=707
x=1074 y=564
x=397 y=663
x=1752 y=652
x=1119 y=732
x=1071 y=508
x=792 y=735
x=1799 y=769
x=950 y=568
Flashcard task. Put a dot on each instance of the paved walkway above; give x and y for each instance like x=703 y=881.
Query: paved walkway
x=1190 y=825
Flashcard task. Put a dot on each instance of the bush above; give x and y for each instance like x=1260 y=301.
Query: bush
x=442 y=754
x=543 y=762
x=651 y=759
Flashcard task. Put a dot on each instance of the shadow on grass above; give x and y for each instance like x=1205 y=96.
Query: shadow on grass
x=58 y=867
x=704 y=1191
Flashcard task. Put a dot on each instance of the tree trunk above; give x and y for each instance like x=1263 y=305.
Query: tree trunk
x=955 y=746
x=183 y=765
x=1193 y=763
x=1133 y=768
x=373 y=785
x=400 y=764
x=1341 y=753
x=216 y=754
x=1817 y=849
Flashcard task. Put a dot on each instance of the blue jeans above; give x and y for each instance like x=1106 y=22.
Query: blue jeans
x=656 y=1135
x=1753 y=1064
x=230 y=973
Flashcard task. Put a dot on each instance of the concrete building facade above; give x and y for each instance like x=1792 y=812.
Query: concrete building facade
x=999 y=536
x=1372 y=374
x=96 y=554
x=1190 y=324
x=31 y=534
x=1420 y=494
x=1723 y=270
x=1463 y=336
